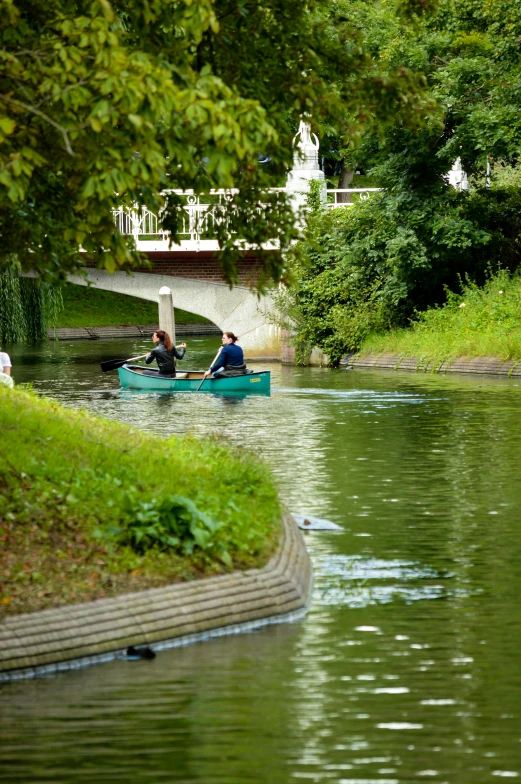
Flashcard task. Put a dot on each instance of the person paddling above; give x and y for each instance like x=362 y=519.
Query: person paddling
x=230 y=361
x=165 y=354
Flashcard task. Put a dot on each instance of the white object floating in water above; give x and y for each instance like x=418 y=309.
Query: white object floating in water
x=308 y=523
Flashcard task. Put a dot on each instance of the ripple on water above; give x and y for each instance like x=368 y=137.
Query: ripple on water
x=358 y=581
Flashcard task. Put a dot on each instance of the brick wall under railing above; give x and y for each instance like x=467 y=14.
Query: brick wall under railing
x=198 y=266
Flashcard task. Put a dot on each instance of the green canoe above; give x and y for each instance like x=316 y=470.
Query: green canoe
x=132 y=377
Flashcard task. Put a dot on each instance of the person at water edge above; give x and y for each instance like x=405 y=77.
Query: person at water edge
x=230 y=361
x=165 y=354
x=5 y=369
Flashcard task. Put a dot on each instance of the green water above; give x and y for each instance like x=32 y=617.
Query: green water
x=406 y=668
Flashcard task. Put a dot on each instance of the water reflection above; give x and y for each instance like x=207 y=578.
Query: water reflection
x=406 y=668
x=357 y=582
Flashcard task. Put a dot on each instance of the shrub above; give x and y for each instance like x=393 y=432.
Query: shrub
x=372 y=266
x=173 y=523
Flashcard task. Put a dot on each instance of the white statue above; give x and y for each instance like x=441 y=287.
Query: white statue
x=305 y=165
x=304 y=131
x=457 y=177
x=306 y=151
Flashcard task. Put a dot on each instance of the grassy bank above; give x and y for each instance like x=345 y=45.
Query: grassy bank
x=90 y=307
x=91 y=508
x=482 y=322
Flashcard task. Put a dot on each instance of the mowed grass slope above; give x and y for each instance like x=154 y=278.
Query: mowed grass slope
x=481 y=322
x=90 y=307
x=69 y=480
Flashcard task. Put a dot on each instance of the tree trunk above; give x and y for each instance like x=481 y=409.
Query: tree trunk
x=344 y=181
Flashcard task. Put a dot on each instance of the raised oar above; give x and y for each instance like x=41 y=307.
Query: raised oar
x=113 y=364
x=213 y=363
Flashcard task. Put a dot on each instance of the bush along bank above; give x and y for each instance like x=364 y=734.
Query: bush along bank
x=362 y=270
x=479 y=322
x=91 y=508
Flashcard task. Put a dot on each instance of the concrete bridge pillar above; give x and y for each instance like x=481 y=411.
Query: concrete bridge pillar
x=166 y=312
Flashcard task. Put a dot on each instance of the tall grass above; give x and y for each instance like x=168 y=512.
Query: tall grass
x=480 y=322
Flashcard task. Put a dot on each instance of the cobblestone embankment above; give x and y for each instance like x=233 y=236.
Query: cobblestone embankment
x=76 y=635
x=132 y=331
x=491 y=366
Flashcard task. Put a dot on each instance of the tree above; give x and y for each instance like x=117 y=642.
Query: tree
x=109 y=103
x=27 y=308
x=375 y=266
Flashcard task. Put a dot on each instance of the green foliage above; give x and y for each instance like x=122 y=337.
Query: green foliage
x=12 y=316
x=53 y=303
x=502 y=174
x=80 y=494
x=173 y=522
x=34 y=310
x=27 y=308
x=106 y=104
x=313 y=199
x=468 y=53
x=481 y=321
x=372 y=266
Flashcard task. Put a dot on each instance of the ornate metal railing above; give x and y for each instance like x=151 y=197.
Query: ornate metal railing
x=200 y=218
x=136 y=221
x=347 y=197
x=202 y=214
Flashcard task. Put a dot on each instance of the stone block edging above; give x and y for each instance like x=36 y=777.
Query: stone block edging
x=77 y=635
x=132 y=331
x=491 y=366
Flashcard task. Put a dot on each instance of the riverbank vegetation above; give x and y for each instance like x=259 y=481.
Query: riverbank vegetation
x=479 y=322
x=84 y=306
x=373 y=266
x=91 y=508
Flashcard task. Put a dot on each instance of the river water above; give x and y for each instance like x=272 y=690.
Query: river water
x=406 y=668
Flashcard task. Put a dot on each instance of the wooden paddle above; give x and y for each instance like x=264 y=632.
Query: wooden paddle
x=113 y=364
x=213 y=363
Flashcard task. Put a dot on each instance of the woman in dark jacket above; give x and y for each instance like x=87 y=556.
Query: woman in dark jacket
x=230 y=361
x=164 y=353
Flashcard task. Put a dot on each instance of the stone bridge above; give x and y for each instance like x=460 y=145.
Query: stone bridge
x=195 y=281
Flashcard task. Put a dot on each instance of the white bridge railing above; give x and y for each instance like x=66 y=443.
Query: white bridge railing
x=343 y=197
x=201 y=217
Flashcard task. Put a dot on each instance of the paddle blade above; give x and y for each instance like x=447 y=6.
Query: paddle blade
x=112 y=364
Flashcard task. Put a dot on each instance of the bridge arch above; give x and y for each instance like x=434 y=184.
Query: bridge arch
x=237 y=309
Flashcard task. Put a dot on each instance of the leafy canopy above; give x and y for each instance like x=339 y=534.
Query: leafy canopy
x=104 y=104
x=373 y=266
